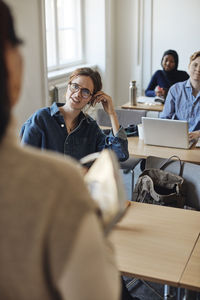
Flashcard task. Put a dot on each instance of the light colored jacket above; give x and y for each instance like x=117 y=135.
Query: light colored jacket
x=51 y=241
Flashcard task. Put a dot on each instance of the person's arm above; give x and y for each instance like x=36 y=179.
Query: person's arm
x=194 y=135
x=30 y=134
x=169 y=107
x=91 y=272
x=150 y=91
x=106 y=101
x=117 y=143
x=117 y=139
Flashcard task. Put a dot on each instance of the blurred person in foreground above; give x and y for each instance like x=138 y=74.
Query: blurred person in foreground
x=52 y=245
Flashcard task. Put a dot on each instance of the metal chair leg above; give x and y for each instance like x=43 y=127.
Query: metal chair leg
x=167 y=294
x=178 y=294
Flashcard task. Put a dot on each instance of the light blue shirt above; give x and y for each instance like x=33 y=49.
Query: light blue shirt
x=180 y=104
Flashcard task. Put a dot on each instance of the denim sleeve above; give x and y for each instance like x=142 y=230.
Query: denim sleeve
x=118 y=143
x=169 y=107
x=30 y=134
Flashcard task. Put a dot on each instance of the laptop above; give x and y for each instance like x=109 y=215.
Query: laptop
x=166 y=132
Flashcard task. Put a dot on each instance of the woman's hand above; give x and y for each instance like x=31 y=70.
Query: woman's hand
x=160 y=92
x=106 y=101
x=194 y=135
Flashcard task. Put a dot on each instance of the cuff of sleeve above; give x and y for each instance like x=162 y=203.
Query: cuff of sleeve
x=121 y=134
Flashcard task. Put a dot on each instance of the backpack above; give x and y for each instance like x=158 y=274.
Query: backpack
x=157 y=186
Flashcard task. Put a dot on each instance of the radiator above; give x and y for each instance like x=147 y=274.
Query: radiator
x=59 y=92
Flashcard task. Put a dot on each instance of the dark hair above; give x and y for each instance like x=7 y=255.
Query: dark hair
x=94 y=75
x=175 y=56
x=194 y=56
x=7 y=34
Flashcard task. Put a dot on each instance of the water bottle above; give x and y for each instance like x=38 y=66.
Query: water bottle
x=133 y=93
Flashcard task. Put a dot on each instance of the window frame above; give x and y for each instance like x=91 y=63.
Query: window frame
x=59 y=66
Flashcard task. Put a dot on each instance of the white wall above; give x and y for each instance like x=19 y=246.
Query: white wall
x=178 y=29
x=27 y=14
x=95 y=33
x=145 y=29
x=125 y=50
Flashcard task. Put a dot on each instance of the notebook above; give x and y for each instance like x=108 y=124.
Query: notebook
x=166 y=132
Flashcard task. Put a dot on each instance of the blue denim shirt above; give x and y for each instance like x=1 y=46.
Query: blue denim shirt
x=46 y=129
x=180 y=104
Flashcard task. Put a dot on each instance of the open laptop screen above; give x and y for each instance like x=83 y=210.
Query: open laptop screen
x=166 y=132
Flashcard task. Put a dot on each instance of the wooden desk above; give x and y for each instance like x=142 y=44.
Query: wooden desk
x=137 y=148
x=139 y=106
x=155 y=242
x=191 y=275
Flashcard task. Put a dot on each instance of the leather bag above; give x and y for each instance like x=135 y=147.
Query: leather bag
x=157 y=186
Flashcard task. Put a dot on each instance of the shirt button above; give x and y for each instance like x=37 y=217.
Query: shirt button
x=62 y=125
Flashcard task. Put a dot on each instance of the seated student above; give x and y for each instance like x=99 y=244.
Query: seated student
x=183 y=99
x=162 y=80
x=51 y=240
x=66 y=129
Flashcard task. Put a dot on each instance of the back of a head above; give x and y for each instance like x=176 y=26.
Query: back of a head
x=172 y=53
x=7 y=36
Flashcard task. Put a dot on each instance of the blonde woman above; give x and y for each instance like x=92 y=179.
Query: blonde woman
x=183 y=99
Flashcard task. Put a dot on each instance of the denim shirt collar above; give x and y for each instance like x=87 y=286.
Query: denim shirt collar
x=54 y=109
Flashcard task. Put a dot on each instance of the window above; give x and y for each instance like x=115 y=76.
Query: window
x=63 y=33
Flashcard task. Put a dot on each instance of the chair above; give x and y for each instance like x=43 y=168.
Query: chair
x=125 y=117
x=128 y=167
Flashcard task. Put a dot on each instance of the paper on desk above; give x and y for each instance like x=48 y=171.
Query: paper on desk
x=148 y=100
x=198 y=143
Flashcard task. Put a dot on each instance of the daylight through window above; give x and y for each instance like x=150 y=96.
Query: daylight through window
x=63 y=33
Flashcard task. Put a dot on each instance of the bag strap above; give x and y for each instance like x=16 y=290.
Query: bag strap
x=170 y=160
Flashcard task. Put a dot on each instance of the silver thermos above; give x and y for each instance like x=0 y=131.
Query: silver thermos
x=133 y=93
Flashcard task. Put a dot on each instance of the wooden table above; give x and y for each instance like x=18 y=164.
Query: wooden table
x=191 y=276
x=137 y=148
x=139 y=106
x=155 y=242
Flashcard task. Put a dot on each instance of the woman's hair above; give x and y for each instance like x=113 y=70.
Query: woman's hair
x=175 y=56
x=94 y=75
x=7 y=35
x=194 y=56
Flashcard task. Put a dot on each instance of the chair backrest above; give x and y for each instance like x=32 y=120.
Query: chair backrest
x=191 y=174
x=125 y=117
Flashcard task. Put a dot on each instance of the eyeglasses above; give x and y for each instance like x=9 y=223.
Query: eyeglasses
x=75 y=87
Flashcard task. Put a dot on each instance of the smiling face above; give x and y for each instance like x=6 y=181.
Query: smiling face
x=168 y=63
x=194 y=69
x=75 y=97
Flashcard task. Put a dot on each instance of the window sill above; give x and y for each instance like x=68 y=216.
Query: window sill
x=53 y=75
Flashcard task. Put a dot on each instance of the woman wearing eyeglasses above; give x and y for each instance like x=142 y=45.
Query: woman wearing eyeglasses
x=66 y=129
